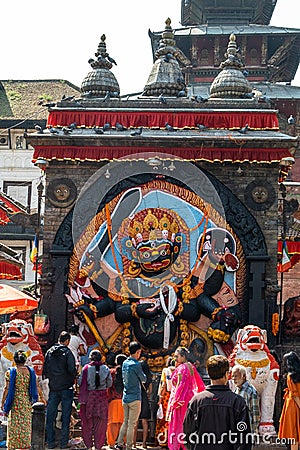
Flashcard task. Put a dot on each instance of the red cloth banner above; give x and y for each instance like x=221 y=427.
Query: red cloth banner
x=212 y=154
x=157 y=119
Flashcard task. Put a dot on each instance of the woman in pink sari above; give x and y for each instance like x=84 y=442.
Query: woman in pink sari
x=185 y=383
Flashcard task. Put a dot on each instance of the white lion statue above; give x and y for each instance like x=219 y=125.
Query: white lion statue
x=262 y=369
x=18 y=335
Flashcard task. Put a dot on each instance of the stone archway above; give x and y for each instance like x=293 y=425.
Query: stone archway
x=238 y=217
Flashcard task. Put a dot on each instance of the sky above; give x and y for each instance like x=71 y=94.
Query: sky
x=55 y=41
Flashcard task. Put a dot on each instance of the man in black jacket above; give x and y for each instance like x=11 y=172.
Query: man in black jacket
x=60 y=369
x=217 y=418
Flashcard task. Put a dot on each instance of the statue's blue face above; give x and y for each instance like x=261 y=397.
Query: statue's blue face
x=156 y=256
x=153 y=257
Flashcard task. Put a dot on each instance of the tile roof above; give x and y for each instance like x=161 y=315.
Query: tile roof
x=10 y=205
x=228 y=29
x=9 y=255
x=272 y=90
x=20 y=99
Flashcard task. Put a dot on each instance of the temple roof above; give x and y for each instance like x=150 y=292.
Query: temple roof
x=9 y=255
x=227 y=29
x=283 y=45
x=21 y=99
x=10 y=264
x=275 y=91
x=182 y=129
x=226 y=11
x=9 y=206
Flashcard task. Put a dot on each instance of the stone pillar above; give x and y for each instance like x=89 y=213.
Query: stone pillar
x=256 y=293
x=38 y=426
x=56 y=303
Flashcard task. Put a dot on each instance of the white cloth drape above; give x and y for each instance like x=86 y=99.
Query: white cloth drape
x=172 y=302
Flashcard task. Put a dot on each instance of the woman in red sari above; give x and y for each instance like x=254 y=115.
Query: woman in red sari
x=185 y=383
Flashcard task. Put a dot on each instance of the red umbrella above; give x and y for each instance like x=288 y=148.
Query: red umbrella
x=12 y=300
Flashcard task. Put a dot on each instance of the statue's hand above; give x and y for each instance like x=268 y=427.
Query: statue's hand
x=147 y=310
x=231 y=262
x=225 y=322
x=82 y=309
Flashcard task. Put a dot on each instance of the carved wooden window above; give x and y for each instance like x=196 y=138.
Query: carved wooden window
x=253 y=57
x=204 y=57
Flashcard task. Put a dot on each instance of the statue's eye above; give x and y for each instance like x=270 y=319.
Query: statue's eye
x=163 y=252
x=146 y=255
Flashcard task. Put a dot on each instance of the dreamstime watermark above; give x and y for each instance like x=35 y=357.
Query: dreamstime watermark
x=240 y=436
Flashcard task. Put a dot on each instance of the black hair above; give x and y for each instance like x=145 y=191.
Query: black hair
x=110 y=359
x=118 y=379
x=170 y=362
x=217 y=366
x=97 y=377
x=63 y=337
x=134 y=347
x=291 y=365
x=20 y=357
x=120 y=359
x=74 y=328
x=147 y=372
x=96 y=356
x=183 y=351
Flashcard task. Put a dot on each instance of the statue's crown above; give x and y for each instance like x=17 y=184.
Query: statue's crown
x=153 y=224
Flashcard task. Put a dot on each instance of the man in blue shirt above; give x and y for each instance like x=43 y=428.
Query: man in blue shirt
x=133 y=376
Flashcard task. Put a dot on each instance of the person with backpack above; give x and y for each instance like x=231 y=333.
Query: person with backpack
x=94 y=381
x=115 y=408
x=60 y=369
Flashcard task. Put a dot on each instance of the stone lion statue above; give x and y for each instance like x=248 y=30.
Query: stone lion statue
x=251 y=351
x=18 y=335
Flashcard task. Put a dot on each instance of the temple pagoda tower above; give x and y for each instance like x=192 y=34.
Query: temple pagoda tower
x=270 y=54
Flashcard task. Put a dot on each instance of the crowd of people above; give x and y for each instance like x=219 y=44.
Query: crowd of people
x=114 y=399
